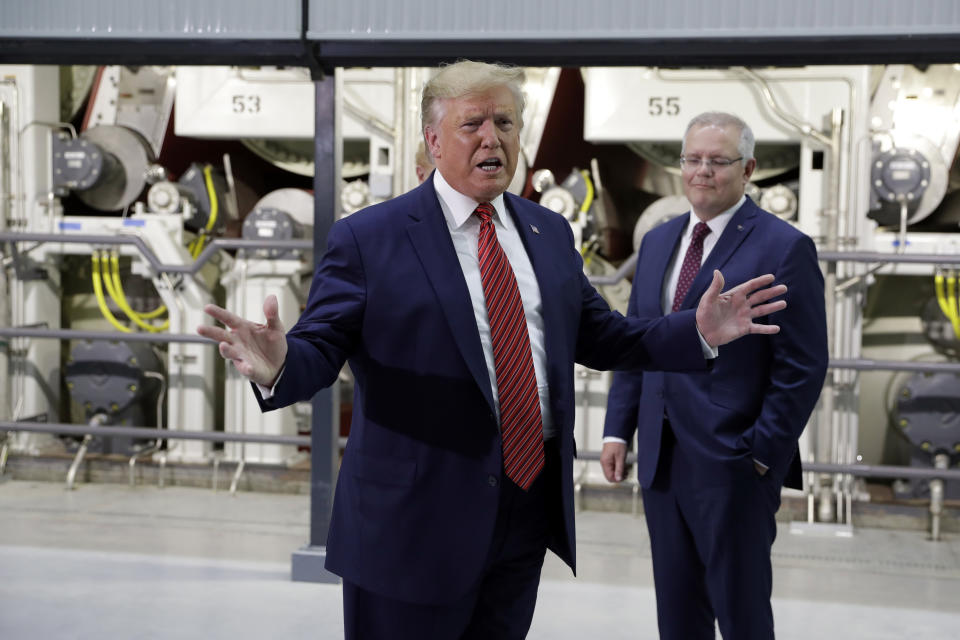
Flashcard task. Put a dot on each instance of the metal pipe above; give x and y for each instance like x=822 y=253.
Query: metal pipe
x=211 y=249
x=585 y=375
x=146 y=432
x=160 y=470
x=4 y=452
x=622 y=272
x=236 y=477
x=115 y=336
x=151 y=449
x=77 y=460
x=399 y=144
x=940 y=461
x=828 y=435
x=6 y=320
x=876 y=256
x=862 y=470
x=96 y=422
x=179 y=358
x=866 y=364
x=216 y=469
x=804 y=128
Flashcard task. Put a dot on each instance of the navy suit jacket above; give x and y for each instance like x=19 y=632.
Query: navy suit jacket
x=416 y=498
x=756 y=399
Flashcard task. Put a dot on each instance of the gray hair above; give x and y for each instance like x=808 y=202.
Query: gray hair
x=745 y=145
x=464 y=77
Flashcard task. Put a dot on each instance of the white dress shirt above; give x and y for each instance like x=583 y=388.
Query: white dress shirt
x=464 y=231
x=717 y=225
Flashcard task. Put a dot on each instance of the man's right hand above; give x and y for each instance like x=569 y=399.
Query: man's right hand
x=613 y=456
x=258 y=351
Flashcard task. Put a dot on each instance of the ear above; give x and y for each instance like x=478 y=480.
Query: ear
x=432 y=141
x=748 y=169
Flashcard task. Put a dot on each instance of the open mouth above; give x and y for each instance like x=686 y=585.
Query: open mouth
x=490 y=166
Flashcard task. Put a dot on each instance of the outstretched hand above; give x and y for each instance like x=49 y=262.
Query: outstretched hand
x=258 y=351
x=724 y=317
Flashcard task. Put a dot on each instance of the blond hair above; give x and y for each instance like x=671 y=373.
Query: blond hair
x=465 y=77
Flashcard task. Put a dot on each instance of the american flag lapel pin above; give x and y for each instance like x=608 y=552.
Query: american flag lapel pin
x=533 y=228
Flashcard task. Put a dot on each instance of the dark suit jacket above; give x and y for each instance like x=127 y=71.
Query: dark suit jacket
x=756 y=399
x=416 y=498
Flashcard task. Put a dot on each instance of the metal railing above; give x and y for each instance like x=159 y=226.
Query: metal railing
x=209 y=251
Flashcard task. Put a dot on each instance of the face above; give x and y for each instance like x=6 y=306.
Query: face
x=712 y=190
x=475 y=142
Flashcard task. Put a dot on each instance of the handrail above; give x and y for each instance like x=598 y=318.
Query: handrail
x=116 y=336
x=866 y=364
x=148 y=255
x=148 y=432
x=878 y=256
x=866 y=470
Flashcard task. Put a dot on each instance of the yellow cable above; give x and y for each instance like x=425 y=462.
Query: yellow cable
x=121 y=299
x=588 y=199
x=196 y=247
x=941 y=295
x=98 y=292
x=149 y=315
x=117 y=295
x=107 y=281
x=952 y=303
x=212 y=194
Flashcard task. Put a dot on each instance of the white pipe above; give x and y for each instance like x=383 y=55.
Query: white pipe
x=5 y=318
x=940 y=461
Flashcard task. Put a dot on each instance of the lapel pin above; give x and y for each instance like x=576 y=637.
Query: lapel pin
x=533 y=227
x=739 y=227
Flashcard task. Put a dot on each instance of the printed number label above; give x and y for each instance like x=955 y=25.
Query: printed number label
x=246 y=104
x=664 y=106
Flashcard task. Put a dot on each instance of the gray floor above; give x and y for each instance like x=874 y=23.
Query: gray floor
x=109 y=561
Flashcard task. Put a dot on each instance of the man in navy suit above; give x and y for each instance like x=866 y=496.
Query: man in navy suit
x=430 y=531
x=714 y=447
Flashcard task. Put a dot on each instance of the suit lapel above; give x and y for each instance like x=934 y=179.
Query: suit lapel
x=736 y=231
x=431 y=240
x=662 y=253
x=542 y=257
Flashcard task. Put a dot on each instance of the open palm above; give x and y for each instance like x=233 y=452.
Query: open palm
x=724 y=317
x=258 y=351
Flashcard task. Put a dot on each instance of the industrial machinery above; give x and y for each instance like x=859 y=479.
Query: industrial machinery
x=124 y=210
x=861 y=159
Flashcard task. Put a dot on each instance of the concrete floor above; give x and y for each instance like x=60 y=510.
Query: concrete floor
x=114 y=562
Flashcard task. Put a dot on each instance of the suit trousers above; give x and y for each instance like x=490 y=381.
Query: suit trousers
x=501 y=604
x=711 y=530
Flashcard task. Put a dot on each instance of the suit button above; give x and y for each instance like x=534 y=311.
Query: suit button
x=492 y=480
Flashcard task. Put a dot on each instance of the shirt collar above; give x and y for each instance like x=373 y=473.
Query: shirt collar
x=459 y=208
x=718 y=223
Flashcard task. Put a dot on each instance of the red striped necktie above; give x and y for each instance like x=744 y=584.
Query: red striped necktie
x=521 y=424
x=691 y=264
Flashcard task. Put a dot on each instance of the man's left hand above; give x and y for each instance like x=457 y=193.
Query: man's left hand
x=724 y=317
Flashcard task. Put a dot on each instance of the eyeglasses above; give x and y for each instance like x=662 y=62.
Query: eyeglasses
x=693 y=162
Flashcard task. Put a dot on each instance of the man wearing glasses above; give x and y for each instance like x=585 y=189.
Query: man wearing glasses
x=715 y=447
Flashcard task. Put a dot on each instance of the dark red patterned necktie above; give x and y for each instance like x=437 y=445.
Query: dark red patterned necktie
x=521 y=424
x=691 y=264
